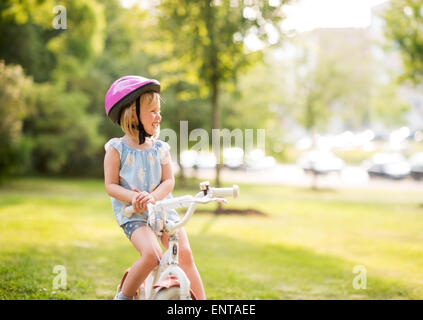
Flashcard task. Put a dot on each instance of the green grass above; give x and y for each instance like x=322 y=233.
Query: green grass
x=304 y=248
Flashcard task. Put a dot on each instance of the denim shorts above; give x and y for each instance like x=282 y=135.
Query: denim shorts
x=131 y=226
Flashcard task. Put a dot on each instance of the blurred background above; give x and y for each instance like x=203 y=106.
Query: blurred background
x=337 y=86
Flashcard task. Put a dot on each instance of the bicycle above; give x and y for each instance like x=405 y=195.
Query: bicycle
x=168 y=281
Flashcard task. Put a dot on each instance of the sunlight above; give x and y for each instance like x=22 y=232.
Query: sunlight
x=306 y=15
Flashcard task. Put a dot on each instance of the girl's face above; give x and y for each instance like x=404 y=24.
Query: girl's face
x=150 y=117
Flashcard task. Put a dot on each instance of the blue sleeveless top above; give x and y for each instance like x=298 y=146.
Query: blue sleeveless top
x=139 y=169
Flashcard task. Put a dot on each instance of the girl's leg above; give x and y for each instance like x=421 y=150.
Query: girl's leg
x=143 y=240
x=186 y=262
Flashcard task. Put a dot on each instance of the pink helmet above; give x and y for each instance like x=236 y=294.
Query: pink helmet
x=124 y=91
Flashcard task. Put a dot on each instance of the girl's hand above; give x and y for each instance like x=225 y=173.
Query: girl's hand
x=136 y=200
x=143 y=201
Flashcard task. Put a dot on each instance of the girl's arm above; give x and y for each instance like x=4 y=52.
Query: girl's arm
x=111 y=177
x=167 y=183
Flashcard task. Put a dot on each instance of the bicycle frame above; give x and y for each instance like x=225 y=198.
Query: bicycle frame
x=168 y=273
x=169 y=263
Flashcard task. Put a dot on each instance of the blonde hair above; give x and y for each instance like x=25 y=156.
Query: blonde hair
x=129 y=113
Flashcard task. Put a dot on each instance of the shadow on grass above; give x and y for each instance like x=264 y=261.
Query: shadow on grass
x=242 y=212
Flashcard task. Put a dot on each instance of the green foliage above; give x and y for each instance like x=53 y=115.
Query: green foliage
x=207 y=36
x=65 y=138
x=61 y=135
x=258 y=103
x=24 y=11
x=404 y=25
x=205 y=43
x=82 y=42
x=25 y=44
x=388 y=107
x=333 y=76
x=15 y=105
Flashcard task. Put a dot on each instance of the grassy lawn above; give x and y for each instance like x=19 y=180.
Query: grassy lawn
x=304 y=248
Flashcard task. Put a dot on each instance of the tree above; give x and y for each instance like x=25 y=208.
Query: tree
x=404 y=25
x=387 y=107
x=64 y=136
x=15 y=105
x=208 y=40
x=76 y=48
x=334 y=76
x=25 y=31
x=258 y=102
x=60 y=130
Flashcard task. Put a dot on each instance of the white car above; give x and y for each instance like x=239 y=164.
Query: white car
x=320 y=162
x=416 y=162
x=233 y=157
x=206 y=160
x=188 y=158
x=257 y=160
x=388 y=165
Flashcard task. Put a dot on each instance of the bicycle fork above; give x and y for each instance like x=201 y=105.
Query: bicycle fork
x=171 y=268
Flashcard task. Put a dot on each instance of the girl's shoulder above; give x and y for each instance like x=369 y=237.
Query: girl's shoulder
x=161 y=145
x=115 y=143
x=163 y=150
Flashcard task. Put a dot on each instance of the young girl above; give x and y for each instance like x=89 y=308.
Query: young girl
x=138 y=171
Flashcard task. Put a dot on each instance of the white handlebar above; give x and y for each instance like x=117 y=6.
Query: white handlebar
x=164 y=205
x=128 y=211
x=174 y=203
x=225 y=192
x=215 y=194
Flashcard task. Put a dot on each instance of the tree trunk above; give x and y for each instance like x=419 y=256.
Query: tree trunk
x=216 y=123
x=310 y=125
x=181 y=175
x=180 y=113
x=214 y=79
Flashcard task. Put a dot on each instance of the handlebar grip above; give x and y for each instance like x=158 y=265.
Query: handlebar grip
x=128 y=211
x=225 y=192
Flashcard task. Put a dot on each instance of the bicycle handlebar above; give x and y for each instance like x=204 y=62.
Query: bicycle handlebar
x=174 y=203
x=215 y=194
x=225 y=192
x=205 y=196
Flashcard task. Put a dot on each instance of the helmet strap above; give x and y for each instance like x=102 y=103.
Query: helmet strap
x=141 y=131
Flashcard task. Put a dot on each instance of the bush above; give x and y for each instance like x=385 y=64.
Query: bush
x=15 y=105
x=65 y=137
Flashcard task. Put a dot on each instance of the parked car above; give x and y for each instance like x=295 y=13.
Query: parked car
x=257 y=160
x=206 y=160
x=233 y=158
x=388 y=165
x=321 y=162
x=188 y=158
x=416 y=162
